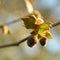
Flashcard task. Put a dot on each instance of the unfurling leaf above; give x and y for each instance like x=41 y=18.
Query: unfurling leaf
x=41 y=29
x=29 y=22
x=41 y=32
x=39 y=21
x=34 y=18
x=48 y=35
x=45 y=26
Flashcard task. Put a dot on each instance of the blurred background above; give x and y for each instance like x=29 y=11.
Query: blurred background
x=10 y=10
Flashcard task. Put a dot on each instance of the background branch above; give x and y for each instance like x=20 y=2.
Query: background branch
x=56 y=24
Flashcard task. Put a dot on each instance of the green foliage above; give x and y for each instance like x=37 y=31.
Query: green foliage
x=29 y=22
x=48 y=35
x=45 y=26
x=42 y=29
x=41 y=32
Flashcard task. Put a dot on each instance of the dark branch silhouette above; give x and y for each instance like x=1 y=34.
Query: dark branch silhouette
x=56 y=24
x=16 y=44
x=23 y=40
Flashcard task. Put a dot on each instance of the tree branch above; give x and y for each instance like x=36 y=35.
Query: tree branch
x=23 y=40
x=16 y=44
x=56 y=24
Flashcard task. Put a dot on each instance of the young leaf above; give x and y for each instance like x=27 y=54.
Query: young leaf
x=48 y=35
x=29 y=22
x=42 y=28
x=45 y=26
x=41 y=32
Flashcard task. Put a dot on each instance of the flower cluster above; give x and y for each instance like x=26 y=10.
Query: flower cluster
x=40 y=29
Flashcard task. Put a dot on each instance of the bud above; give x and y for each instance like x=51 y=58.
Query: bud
x=31 y=42
x=38 y=17
x=6 y=30
x=43 y=41
x=39 y=21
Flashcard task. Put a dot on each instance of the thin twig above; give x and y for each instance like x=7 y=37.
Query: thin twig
x=16 y=44
x=23 y=40
x=56 y=24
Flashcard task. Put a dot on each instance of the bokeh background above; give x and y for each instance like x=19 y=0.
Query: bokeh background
x=10 y=10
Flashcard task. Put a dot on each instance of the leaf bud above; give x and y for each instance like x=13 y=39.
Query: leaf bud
x=31 y=42
x=43 y=41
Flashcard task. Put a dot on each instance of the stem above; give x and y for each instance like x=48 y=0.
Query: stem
x=16 y=44
x=56 y=24
x=23 y=40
